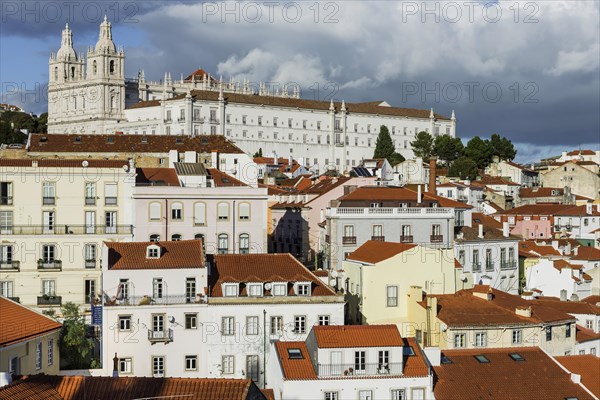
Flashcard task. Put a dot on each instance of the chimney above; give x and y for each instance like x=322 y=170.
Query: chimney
x=173 y=158
x=432 y=175
x=568 y=248
x=115 y=372
x=480 y=235
x=563 y=295
x=589 y=208
x=523 y=311
x=505 y=229
x=419 y=194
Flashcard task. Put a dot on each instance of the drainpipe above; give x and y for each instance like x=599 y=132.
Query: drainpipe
x=264 y=349
x=233 y=238
x=166 y=219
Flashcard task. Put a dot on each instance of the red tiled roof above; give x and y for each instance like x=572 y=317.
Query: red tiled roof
x=295 y=368
x=486 y=220
x=198 y=75
x=414 y=366
x=537 y=377
x=594 y=299
x=285 y=205
x=344 y=336
x=527 y=192
x=579 y=211
x=560 y=264
x=585 y=335
x=157 y=176
x=383 y=193
x=262 y=268
x=63 y=163
x=95 y=143
x=586 y=253
x=536 y=209
x=174 y=255
x=88 y=387
x=374 y=251
x=496 y=180
x=19 y=323
x=582 y=152
x=269 y=160
x=588 y=366
x=570 y=307
x=221 y=179
x=529 y=248
x=325 y=184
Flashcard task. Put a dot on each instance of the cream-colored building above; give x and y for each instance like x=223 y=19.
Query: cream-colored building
x=28 y=341
x=54 y=215
x=378 y=276
x=482 y=317
x=582 y=177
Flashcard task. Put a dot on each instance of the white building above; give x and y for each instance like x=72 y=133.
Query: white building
x=168 y=313
x=93 y=96
x=462 y=191
x=578 y=222
x=362 y=362
x=558 y=278
x=54 y=216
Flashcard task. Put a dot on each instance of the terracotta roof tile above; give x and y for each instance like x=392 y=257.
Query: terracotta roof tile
x=472 y=234
x=295 y=368
x=57 y=143
x=414 y=365
x=536 y=209
x=174 y=255
x=582 y=152
x=579 y=211
x=221 y=179
x=570 y=307
x=18 y=323
x=586 y=253
x=588 y=366
x=157 y=176
x=63 y=163
x=486 y=220
x=345 y=336
x=537 y=377
x=594 y=299
x=374 y=251
x=399 y=195
x=497 y=180
x=262 y=268
x=324 y=185
x=84 y=388
x=198 y=75
x=529 y=248
x=527 y=192
x=585 y=335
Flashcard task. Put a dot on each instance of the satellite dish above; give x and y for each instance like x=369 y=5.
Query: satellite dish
x=444 y=327
x=125 y=167
x=85 y=163
x=171 y=319
x=463 y=277
x=268 y=286
x=334 y=274
x=332 y=282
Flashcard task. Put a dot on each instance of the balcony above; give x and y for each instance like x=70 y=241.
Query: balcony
x=476 y=266
x=90 y=201
x=6 y=200
x=9 y=265
x=110 y=201
x=182 y=119
x=158 y=301
x=339 y=143
x=49 y=265
x=338 y=128
x=406 y=239
x=47 y=300
x=352 y=370
x=508 y=264
x=67 y=230
x=436 y=238
x=15 y=299
x=378 y=238
x=410 y=212
x=48 y=201
x=214 y=120
x=168 y=120
x=489 y=266
x=160 y=336
x=348 y=239
x=199 y=119
x=90 y=263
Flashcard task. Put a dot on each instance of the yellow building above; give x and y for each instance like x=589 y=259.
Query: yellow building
x=378 y=276
x=28 y=341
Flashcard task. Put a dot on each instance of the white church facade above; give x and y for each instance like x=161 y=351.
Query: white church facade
x=90 y=95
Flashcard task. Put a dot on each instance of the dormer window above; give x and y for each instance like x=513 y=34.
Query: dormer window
x=153 y=251
x=303 y=289
x=279 y=289
x=230 y=289
x=255 y=289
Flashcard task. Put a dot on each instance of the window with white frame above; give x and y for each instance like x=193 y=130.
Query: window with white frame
x=191 y=363
x=125 y=365
x=110 y=194
x=90 y=255
x=155 y=238
x=417 y=394
x=230 y=289
x=398 y=394
x=49 y=287
x=199 y=214
x=392 y=296
x=244 y=243
x=365 y=395
x=324 y=319
x=244 y=211
x=223 y=211
x=255 y=289
x=331 y=395
x=480 y=339
x=303 y=289
x=153 y=251
x=228 y=326
x=50 y=351
x=299 y=324
x=227 y=364
x=279 y=289
x=191 y=321
x=6 y=222
x=459 y=340
x=276 y=325
x=124 y=322
x=176 y=237
x=176 y=211
x=38 y=355
x=360 y=360
x=158 y=366
x=6 y=289
x=48 y=193
x=223 y=243
x=517 y=336
x=154 y=211
x=252 y=325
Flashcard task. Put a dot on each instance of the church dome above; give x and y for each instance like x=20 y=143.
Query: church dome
x=66 y=51
x=105 y=43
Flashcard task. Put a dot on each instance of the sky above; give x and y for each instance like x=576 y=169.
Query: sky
x=528 y=70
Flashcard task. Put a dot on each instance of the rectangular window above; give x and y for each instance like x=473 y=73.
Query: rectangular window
x=125 y=322
x=50 y=352
x=392 y=296
x=365 y=395
x=48 y=251
x=89 y=290
x=331 y=396
x=255 y=290
x=459 y=340
x=303 y=289
x=158 y=367
x=227 y=363
x=125 y=365
x=377 y=231
x=38 y=355
x=398 y=394
x=191 y=363
x=252 y=371
x=48 y=193
x=6 y=254
x=90 y=193
x=252 y=325
x=191 y=321
x=110 y=220
x=228 y=326
x=157 y=287
x=383 y=360
x=568 y=330
x=230 y=290
x=279 y=289
x=480 y=339
x=49 y=287
x=276 y=325
x=6 y=195
x=6 y=289
x=323 y=319
x=6 y=222
x=48 y=221
x=359 y=361
x=300 y=324
x=190 y=289
x=517 y=336
x=110 y=194
x=548 y=333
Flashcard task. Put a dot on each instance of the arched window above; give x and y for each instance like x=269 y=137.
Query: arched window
x=244 y=243
x=199 y=236
x=244 y=211
x=72 y=72
x=95 y=67
x=223 y=243
x=223 y=211
x=155 y=238
x=176 y=237
x=176 y=211
x=199 y=214
x=155 y=211
x=112 y=67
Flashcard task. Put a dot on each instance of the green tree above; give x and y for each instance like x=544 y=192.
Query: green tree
x=502 y=147
x=480 y=151
x=75 y=346
x=448 y=148
x=42 y=123
x=423 y=145
x=384 y=147
x=258 y=153
x=463 y=168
